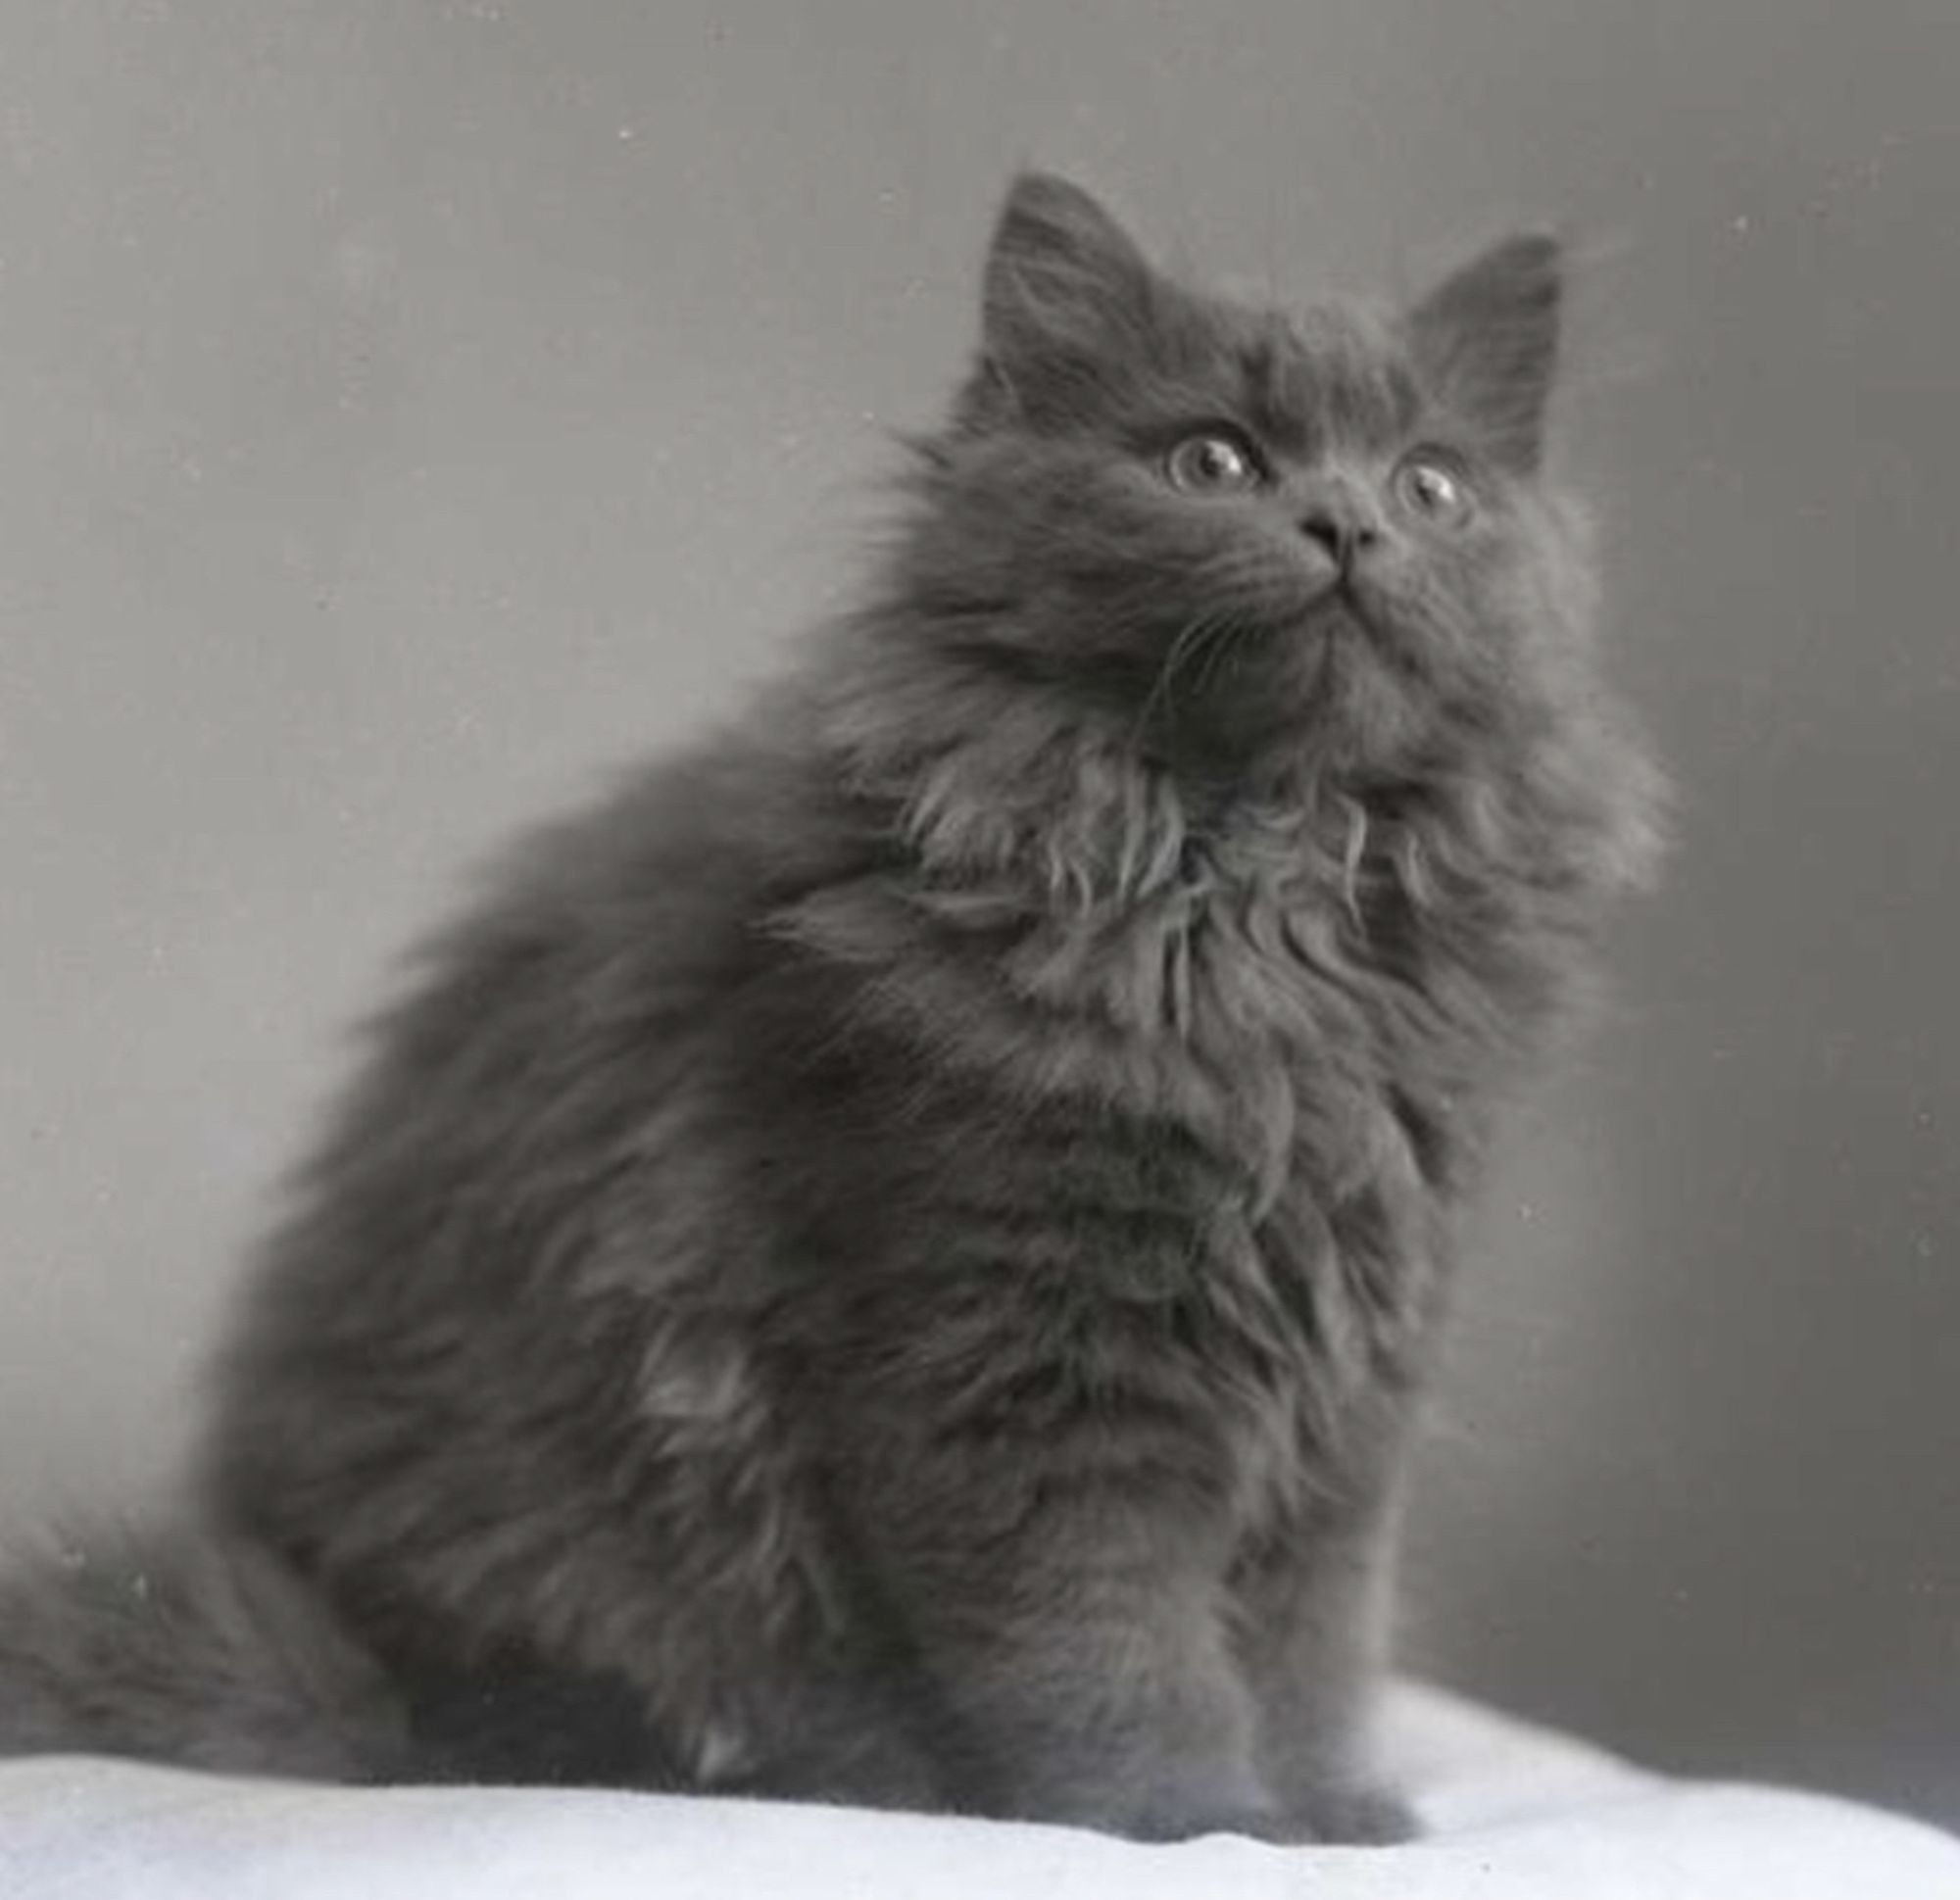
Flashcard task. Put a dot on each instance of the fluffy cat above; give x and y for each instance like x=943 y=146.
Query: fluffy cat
x=893 y=1261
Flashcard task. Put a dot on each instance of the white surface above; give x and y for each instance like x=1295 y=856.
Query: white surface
x=1518 y=1814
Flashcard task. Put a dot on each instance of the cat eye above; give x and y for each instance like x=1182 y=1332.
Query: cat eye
x=1428 y=487
x=1213 y=462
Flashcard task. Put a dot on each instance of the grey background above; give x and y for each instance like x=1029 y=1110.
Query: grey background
x=407 y=409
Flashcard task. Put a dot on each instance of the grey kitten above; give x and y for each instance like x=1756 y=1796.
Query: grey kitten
x=893 y=1261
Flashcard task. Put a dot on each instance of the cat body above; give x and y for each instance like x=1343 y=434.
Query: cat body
x=893 y=1261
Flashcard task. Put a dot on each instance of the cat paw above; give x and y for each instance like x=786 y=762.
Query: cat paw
x=1360 y=1815
x=1192 y=1824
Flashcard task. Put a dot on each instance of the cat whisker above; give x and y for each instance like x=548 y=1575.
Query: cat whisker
x=1211 y=661
x=1191 y=642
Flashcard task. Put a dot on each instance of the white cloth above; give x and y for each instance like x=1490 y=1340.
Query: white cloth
x=1517 y=1814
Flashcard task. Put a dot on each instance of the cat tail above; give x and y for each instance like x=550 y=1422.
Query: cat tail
x=193 y=1646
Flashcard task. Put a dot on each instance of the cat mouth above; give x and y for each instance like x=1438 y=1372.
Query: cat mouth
x=1338 y=613
x=1346 y=634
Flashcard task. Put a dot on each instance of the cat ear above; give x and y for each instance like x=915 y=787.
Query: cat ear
x=1486 y=341
x=1066 y=300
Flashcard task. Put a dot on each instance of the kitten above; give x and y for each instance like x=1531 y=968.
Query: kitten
x=893 y=1261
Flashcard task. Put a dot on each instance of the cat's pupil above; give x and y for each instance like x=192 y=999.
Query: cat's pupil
x=1433 y=490
x=1212 y=463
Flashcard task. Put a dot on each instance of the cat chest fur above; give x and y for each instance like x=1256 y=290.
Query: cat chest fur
x=1153 y=1181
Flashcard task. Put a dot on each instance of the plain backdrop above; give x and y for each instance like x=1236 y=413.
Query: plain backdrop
x=409 y=408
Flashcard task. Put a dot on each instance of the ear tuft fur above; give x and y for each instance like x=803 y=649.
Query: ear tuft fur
x=1066 y=297
x=1487 y=341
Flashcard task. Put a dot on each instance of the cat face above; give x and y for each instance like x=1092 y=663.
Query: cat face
x=1247 y=534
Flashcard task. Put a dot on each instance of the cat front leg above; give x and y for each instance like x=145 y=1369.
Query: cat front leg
x=1310 y=1615
x=1072 y=1647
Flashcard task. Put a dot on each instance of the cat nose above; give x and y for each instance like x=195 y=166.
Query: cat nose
x=1341 y=529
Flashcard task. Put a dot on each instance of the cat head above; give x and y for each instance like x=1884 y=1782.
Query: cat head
x=1241 y=535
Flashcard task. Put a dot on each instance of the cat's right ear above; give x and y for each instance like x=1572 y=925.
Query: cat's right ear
x=1066 y=301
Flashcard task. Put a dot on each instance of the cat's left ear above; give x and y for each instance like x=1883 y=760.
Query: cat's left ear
x=1486 y=341
x=1066 y=302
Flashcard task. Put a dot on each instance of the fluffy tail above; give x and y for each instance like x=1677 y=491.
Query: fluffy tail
x=192 y=1648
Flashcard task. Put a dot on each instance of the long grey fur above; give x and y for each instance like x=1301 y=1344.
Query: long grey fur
x=894 y=1258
